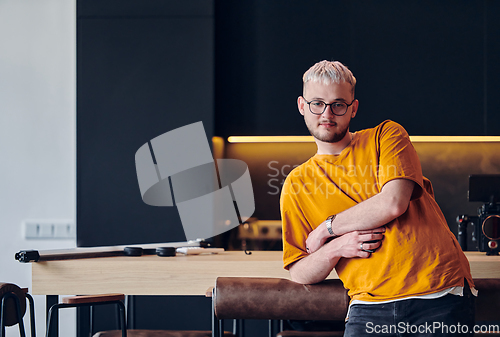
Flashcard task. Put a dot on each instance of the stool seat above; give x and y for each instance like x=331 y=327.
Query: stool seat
x=159 y=333
x=10 y=314
x=290 y=333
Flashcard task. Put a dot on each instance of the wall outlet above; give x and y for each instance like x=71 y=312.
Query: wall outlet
x=47 y=229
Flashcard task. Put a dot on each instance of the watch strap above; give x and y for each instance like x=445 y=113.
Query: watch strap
x=329 y=221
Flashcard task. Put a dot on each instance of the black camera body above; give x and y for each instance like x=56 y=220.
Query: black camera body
x=486 y=233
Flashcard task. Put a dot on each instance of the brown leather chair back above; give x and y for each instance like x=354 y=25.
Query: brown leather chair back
x=280 y=299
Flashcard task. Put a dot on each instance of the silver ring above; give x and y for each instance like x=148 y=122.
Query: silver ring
x=361 y=246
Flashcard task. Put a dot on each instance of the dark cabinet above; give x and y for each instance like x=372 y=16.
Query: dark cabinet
x=143 y=68
x=431 y=66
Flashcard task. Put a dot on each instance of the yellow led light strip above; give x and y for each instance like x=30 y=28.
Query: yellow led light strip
x=455 y=139
x=308 y=139
x=270 y=139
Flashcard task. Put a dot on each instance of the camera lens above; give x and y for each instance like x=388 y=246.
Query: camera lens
x=491 y=227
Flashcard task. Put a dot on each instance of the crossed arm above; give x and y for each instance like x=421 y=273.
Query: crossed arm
x=358 y=224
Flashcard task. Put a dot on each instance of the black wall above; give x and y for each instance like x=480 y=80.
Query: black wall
x=144 y=68
x=430 y=65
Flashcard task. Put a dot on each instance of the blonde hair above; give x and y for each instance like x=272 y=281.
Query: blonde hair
x=328 y=72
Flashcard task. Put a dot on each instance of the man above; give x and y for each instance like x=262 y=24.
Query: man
x=362 y=206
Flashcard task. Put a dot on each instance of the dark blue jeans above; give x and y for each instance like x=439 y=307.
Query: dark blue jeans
x=450 y=315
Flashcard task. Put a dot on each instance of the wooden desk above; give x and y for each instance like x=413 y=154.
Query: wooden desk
x=180 y=275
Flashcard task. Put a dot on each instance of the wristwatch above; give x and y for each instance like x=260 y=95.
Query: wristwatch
x=329 y=221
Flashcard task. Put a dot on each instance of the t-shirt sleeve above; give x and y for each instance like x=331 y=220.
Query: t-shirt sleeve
x=397 y=157
x=295 y=226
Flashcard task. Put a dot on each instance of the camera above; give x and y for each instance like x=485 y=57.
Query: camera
x=486 y=234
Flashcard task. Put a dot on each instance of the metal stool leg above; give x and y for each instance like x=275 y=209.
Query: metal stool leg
x=238 y=327
x=53 y=311
x=215 y=320
x=221 y=328
x=32 y=315
x=123 y=320
x=273 y=327
x=52 y=300
x=91 y=322
x=50 y=321
x=18 y=313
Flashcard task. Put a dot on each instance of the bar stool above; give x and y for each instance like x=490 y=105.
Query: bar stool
x=13 y=307
x=117 y=299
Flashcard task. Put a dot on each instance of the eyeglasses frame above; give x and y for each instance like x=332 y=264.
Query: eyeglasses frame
x=326 y=105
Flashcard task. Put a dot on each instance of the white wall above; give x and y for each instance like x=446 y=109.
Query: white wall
x=37 y=131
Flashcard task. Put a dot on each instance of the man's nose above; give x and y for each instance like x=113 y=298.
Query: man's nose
x=328 y=111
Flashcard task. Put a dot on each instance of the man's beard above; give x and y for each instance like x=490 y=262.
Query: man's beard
x=328 y=137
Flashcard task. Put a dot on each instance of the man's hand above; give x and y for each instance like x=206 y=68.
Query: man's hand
x=359 y=243
x=317 y=238
x=349 y=242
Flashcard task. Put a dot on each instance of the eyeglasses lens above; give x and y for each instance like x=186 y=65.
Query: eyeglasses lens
x=318 y=107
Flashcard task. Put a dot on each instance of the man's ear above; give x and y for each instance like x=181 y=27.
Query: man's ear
x=354 y=111
x=301 y=102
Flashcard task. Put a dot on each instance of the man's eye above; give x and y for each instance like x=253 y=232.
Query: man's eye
x=338 y=105
x=317 y=104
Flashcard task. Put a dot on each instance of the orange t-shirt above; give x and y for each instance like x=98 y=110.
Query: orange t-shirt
x=419 y=254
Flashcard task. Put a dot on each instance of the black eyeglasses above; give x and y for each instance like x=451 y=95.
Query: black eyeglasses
x=318 y=107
